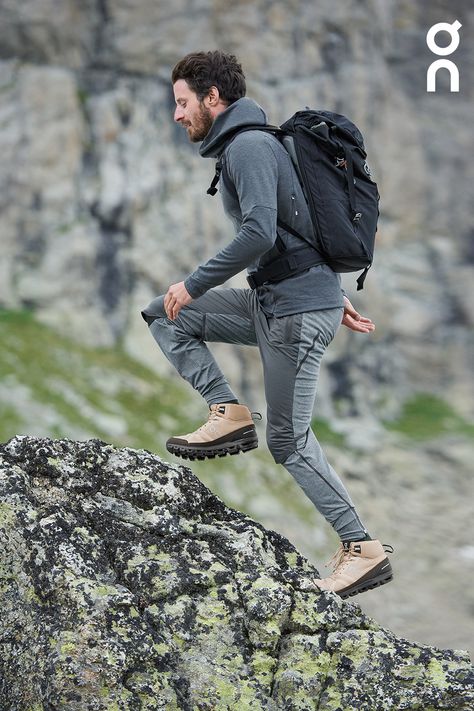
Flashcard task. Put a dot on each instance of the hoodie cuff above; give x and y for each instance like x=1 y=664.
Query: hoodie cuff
x=194 y=288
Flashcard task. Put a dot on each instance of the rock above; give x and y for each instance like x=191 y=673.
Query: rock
x=126 y=584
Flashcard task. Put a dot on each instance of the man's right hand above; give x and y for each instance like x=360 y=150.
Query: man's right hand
x=176 y=297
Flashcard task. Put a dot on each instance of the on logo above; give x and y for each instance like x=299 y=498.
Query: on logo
x=368 y=170
x=453 y=30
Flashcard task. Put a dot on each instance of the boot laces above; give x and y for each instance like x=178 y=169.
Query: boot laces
x=339 y=560
x=213 y=417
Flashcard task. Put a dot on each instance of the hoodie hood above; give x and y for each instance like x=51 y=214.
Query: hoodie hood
x=243 y=112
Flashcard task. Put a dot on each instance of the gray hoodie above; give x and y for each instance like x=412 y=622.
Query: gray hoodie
x=257 y=182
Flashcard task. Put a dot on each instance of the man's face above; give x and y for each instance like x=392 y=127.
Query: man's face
x=191 y=113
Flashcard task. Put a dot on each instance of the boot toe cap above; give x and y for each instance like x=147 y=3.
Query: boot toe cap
x=179 y=440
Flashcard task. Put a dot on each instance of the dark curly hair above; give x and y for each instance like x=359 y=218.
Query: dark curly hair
x=201 y=70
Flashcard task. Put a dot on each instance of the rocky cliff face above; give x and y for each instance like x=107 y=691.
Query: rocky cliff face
x=126 y=584
x=104 y=200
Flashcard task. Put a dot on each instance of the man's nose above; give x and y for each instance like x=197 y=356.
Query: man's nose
x=178 y=114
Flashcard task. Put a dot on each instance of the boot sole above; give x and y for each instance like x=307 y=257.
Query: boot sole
x=192 y=453
x=375 y=581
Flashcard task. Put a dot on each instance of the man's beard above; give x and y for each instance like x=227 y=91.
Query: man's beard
x=201 y=125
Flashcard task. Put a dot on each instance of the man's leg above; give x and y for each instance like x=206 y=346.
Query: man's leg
x=292 y=349
x=219 y=315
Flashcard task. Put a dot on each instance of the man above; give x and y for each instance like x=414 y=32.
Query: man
x=291 y=321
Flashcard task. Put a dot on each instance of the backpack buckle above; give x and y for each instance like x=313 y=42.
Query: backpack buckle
x=212 y=189
x=292 y=262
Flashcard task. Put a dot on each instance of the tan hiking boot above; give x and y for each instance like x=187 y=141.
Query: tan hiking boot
x=358 y=566
x=229 y=430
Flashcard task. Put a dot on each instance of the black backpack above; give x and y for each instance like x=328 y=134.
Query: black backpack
x=328 y=153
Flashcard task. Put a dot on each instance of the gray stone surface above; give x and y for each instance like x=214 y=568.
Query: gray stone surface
x=126 y=584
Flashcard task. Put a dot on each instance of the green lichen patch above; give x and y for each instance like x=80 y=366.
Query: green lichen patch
x=374 y=669
x=301 y=674
x=313 y=612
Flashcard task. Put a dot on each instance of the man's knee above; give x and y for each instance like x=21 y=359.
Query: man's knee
x=284 y=442
x=281 y=443
x=154 y=310
x=147 y=317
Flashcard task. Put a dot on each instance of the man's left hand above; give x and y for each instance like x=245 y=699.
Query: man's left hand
x=176 y=297
x=353 y=320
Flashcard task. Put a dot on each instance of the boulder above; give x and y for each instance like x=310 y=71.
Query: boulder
x=126 y=584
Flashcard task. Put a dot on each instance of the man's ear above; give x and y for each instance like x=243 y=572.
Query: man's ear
x=213 y=96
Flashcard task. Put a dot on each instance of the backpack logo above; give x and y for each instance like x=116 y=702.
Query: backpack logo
x=368 y=171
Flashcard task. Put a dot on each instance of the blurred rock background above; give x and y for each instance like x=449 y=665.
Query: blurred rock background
x=103 y=205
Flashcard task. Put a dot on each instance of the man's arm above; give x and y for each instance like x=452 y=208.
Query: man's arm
x=252 y=167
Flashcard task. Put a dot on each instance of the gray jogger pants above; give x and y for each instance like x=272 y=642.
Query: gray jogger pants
x=291 y=348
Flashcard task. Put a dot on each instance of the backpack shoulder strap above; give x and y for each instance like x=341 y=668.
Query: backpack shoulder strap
x=276 y=130
x=212 y=189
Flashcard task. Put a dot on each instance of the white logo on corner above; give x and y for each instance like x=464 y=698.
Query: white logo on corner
x=453 y=30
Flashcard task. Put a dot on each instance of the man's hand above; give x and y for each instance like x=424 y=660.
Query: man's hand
x=175 y=298
x=353 y=320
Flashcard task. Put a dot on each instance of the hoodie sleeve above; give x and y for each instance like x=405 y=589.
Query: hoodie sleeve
x=252 y=167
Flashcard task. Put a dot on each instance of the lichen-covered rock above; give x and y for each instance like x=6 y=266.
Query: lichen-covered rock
x=126 y=584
